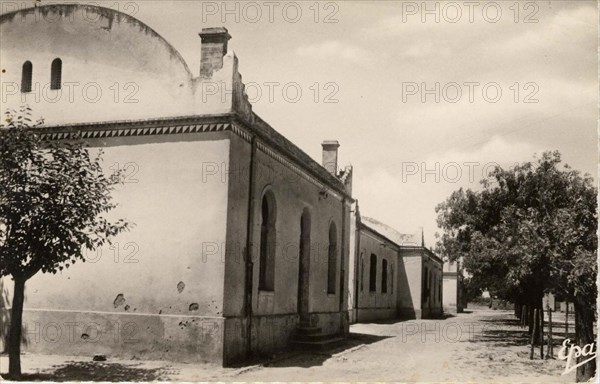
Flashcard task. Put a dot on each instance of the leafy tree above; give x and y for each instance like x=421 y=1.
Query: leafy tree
x=52 y=197
x=530 y=230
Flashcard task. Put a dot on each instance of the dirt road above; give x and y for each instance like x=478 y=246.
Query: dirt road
x=482 y=346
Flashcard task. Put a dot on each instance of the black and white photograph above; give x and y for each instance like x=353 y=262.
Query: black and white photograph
x=299 y=191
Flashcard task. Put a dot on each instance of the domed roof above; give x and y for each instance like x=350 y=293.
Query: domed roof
x=113 y=66
x=95 y=33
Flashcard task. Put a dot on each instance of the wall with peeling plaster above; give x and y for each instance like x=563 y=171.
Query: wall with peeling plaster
x=159 y=279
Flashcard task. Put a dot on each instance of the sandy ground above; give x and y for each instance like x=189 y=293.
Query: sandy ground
x=479 y=346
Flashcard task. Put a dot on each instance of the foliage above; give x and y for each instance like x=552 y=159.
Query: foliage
x=531 y=230
x=52 y=197
x=532 y=227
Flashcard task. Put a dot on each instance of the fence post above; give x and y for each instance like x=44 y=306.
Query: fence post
x=567 y=321
x=541 y=321
x=550 y=349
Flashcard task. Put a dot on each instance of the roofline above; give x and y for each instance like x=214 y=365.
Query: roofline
x=298 y=156
x=279 y=141
x=362 y=225
x=429 y=252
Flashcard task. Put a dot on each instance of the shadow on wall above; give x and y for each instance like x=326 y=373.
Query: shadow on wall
x=404 y=296
x=96 y=371
x=5 y=318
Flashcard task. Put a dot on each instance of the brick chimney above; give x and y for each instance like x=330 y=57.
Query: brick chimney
x=213 y=48
x=330 y=156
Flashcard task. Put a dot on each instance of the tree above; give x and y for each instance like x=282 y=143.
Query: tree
x=530 y=230
x=52 y=197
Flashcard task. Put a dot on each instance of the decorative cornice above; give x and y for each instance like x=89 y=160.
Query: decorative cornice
x=270 y=141
x=129 y=132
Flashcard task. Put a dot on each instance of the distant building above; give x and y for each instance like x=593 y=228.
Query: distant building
x=453 y=287
x=550 y=301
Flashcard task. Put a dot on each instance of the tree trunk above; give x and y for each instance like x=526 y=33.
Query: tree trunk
x=584 y=330
x=14 y=339
x=534 y=331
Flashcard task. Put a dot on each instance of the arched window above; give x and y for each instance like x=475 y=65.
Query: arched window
x=392 y=278
x=384 y=275
x=373 y=273
x=27 y=77
x=362 y=271
x=332 y=259
x=431 y=287
x=56 y=74
x=425 y=284
x=266 y=281
x=304 y=264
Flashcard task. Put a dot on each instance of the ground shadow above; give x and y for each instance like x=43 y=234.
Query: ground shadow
x=517 y=335
x=98 y=371
x=445 y=316
x=310 y=358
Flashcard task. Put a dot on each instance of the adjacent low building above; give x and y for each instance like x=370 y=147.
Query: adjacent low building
x=392 y=275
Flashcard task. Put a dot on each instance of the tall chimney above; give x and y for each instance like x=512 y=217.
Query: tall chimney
x=330 y=155
x=213 y=48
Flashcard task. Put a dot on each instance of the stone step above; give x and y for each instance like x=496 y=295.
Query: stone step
x=312 y=336
x=308 y=330
x=320 y=345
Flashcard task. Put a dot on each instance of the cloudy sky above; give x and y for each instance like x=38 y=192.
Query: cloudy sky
x=371 y=62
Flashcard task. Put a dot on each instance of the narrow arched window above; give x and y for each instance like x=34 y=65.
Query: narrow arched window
x=392 y=278
x=430 y=286
x=373 y=273
x=27 y=77
x=362 y=271
x=425 y=284
x=56 y=74
x=266 y=281
x=332 y=259
x=384 y=275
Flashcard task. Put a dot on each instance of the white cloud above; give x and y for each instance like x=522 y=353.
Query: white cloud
x=333 y=49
